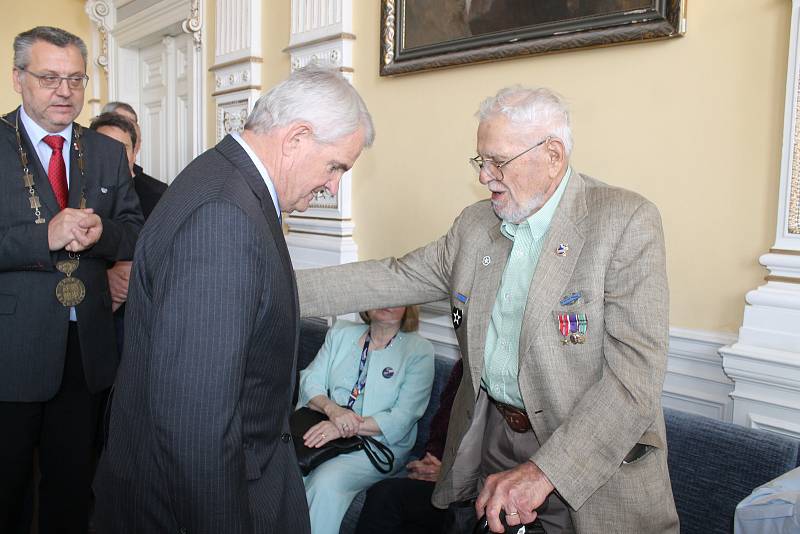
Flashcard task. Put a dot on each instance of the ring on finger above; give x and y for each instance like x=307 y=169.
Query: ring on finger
x=512 y=513
x=323 y=435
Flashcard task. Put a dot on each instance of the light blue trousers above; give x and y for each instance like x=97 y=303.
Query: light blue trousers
x=330 y=488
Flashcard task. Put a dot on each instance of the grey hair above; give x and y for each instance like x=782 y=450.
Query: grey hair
x=112 y=107
x=532 y=107
x=49 y=34
x=321 y=97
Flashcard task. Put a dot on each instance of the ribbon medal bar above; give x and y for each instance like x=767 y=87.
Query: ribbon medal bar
x=573 y=327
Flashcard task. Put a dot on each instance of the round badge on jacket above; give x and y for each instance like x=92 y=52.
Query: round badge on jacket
x=388 y=372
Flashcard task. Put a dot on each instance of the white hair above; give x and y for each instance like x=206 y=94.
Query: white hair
x=538 y=108
x=321 y=97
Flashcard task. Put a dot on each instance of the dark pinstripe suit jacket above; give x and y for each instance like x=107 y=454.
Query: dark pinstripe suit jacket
x=198 y=438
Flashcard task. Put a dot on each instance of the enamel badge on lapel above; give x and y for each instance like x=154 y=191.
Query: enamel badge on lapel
x=457 y=317
x=487 y=260
x=562 y=249
x=388 y=372
x=462 y=298
x=573 y=327
x=569 y=300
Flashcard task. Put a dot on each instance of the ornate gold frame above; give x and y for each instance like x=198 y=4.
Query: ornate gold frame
x=665 y=19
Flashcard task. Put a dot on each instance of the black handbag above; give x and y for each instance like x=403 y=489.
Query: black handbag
x=381 y=456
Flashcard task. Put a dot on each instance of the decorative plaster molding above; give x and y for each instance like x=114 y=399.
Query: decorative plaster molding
x=101 y=14
x=193 y=25
x=237 y=63
x=231 y=117
x=232 y=78
x=332 y=54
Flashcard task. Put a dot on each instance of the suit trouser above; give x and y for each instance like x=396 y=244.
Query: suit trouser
x=63 y=430
x=400 y=506
x=494 y=447
x=504 y=449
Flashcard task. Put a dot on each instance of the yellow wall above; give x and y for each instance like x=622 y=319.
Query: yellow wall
x=21 y=16
x=695 y=124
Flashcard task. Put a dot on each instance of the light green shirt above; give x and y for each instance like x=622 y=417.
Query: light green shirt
x=501 y=358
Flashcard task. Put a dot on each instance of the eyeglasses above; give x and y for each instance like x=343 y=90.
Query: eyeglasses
x=495 y=170
x=50 y=81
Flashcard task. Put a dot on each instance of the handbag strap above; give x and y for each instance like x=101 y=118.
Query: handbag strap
x=380 y=455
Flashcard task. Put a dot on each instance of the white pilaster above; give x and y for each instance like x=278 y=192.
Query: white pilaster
x=321 y=33
x=765 y=361
x=237 y=63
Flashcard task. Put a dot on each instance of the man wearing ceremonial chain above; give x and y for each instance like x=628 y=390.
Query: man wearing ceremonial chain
x=67 y=210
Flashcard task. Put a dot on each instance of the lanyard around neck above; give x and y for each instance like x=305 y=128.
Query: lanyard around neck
x=361 y=380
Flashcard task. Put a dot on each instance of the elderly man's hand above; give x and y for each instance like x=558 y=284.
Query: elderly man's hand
x=518 y=491
x=425 y=469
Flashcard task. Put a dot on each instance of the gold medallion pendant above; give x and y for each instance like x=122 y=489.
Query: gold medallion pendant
x=70 y=291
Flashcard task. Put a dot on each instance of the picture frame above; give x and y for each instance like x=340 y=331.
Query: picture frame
x=418 y=35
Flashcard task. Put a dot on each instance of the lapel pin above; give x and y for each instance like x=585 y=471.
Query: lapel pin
x=562 y=249
x=487 y=260
x=569 y=300
x=103 y=190
x=388 y=372
x=462 y=298
x=457 y=317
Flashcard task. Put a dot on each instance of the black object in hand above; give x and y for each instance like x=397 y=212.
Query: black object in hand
x=482 y=526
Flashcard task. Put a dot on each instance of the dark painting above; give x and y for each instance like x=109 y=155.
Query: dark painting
x=423 y=34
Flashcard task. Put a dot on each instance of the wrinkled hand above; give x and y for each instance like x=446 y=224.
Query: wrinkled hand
x=425 y=469
x=118 y=278
x=518 y=491
x=346 y=421
x=320 y=434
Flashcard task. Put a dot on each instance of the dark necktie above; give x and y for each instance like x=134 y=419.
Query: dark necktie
x=57 y=170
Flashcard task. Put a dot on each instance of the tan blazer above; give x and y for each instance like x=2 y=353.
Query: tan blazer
x=589 y=403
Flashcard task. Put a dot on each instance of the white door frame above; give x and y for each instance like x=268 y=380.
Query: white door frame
x=118 y=43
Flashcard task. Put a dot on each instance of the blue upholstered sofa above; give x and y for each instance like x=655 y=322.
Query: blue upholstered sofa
x=713 y=465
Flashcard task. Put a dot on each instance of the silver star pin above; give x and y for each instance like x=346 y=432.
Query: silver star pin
x=487 y=260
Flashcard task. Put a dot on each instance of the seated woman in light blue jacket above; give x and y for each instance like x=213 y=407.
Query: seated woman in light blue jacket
x=383 y=372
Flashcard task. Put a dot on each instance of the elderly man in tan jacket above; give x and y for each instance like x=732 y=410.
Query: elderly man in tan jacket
x=560 y=305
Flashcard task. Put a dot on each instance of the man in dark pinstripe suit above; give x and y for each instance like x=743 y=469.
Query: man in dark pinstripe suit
x=198 y=437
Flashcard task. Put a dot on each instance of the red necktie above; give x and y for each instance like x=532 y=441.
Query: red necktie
x=57 y=171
